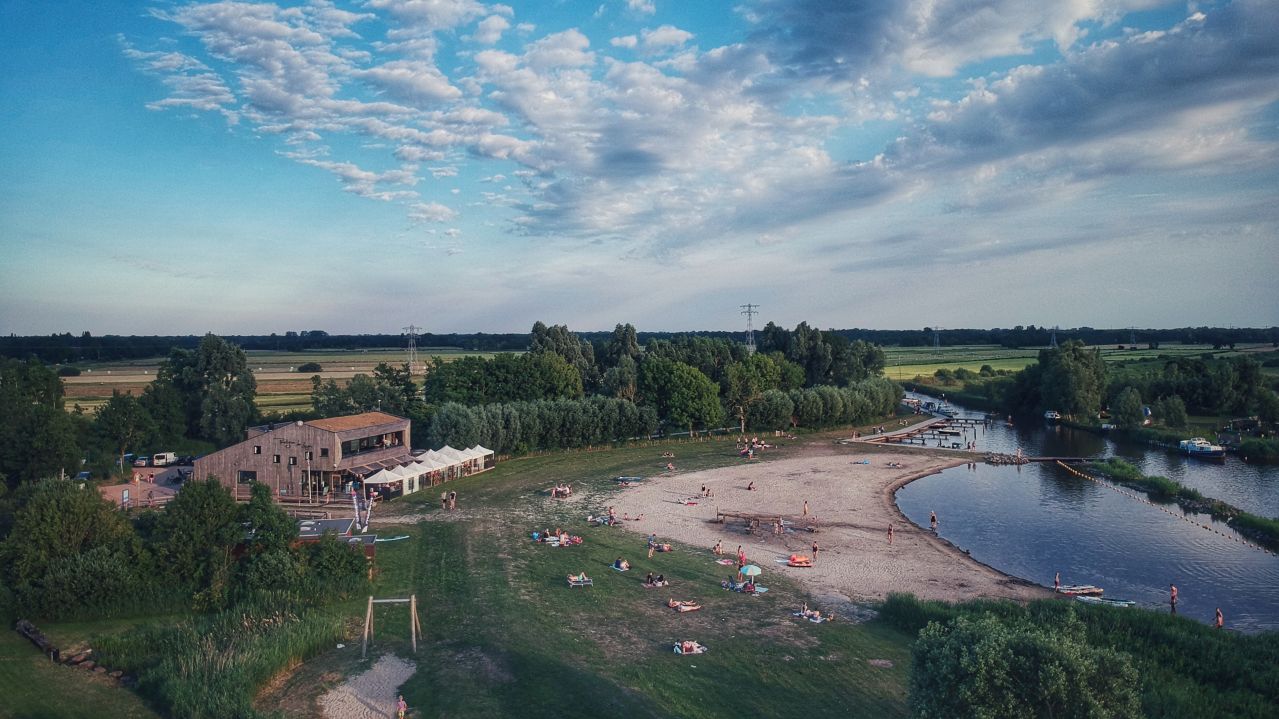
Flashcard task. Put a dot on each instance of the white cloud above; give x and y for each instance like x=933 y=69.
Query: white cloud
x=665 y=36
x=490 y=29
x=626 y=41
x=645 y=7
x=431 y=212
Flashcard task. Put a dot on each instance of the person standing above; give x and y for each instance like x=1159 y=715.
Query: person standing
x=890 y=534
x=932 y=520
x=805 y=507
x=815 y=551
x=401 y=707
x=1172 y=597
x=1221 y=619
x=1057 y=581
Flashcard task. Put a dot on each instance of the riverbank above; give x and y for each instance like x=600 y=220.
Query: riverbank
x=849 y=491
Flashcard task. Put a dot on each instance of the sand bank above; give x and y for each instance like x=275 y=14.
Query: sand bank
x=853 y=506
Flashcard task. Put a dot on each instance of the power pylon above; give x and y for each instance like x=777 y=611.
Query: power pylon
x=412 y=331
x=750 y=311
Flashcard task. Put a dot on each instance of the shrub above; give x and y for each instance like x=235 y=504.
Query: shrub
x=310 y=367
x=68 y=371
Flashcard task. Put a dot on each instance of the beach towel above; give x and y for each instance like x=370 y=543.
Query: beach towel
x=814 y=620
x=699 y=649
x=620 y=569
x=726 y=562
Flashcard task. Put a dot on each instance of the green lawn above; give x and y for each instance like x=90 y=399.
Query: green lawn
x=32 y=687
x=506 y=636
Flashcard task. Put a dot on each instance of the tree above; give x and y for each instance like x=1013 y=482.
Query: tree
x=986 y=668
x=37 y=437
x=1127 y=408
x=623 y=343
x=681 y=394
x=194 y=538
x=619 y=381
x=124 y=423
x=1172 y=412
x=55 y=529
x=1072 y=379
x=216 y=387
x=1268 y=407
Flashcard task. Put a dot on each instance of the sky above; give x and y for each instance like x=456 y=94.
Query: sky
x=359 y=166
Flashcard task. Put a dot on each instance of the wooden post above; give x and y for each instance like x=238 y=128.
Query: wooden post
x=413 y=621
x=417 y=621
x=368 y=620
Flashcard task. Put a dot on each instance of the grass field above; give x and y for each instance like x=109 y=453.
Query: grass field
x=905 y=363
x=32 y=687
x=505 y=635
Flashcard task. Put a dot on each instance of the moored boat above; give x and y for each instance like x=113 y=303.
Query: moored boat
x=947 y=410
x=1052 y=415
x=1102 y=601
x=1202 y=448
x=1076 y=590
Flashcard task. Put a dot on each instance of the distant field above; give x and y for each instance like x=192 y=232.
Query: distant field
x=907 y=362
x=280 y=386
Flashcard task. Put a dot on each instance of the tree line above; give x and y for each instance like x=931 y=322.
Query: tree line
x=85 y=347
x=1075 y=381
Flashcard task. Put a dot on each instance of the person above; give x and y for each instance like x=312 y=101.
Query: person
x=651 y=548
x=670 y=466
x=719 y=548
x=400 y=707
x=805 y=507
x=1221 y=619
x=777 y=527
x=444 y=501
x=1172 y=597
x=750 y=487
x=703 y=490
x=621 y=564
x=814 y=551
x=741 y=557
x=652 y=539
x=452 y=500
x=1057 y=581
x=932 y=520
x=890 y=534
x=649 y=578
x=661 y=579
x=687 y=647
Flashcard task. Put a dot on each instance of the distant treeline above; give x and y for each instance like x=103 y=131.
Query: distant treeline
x=67 y=347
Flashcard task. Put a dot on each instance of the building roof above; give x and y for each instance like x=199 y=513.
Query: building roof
x=355 y=421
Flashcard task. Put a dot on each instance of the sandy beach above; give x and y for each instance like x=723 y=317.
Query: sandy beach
x=853 y=506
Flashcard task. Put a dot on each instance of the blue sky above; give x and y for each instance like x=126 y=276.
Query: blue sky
x=235 y=167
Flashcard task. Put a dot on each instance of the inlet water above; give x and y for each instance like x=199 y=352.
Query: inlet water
x=1034 y=520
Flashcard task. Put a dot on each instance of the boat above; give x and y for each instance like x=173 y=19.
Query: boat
x=947 y=410
x=948 y=432
x=1052 y=415
x=1076 y=590
x=1101 y=601
x=1202 y=448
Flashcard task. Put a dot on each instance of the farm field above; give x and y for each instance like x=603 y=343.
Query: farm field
x=905 y=363
x=281 y=387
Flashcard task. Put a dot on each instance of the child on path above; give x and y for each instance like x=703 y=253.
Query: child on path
x=400 y=707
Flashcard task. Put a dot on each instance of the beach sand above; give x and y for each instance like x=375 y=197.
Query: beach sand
x=853 y=505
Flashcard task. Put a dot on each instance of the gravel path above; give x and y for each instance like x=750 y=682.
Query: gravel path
x=370 y=695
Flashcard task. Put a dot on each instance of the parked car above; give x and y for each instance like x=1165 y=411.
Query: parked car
x=83 y=477
x=142 y=461
x=164 y=459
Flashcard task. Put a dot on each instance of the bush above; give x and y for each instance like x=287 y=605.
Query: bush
x=985 y=667
x=1260 y=450
x=68 y=371
x=311 y=367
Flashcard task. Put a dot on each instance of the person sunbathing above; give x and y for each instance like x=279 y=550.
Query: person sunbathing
x=577 y=577
x=621 y=564
x=661 y=580
x=648 y=579
x=683 y=606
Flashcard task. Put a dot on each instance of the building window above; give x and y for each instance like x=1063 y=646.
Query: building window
x=257 y=449
x=246 y=476
x=308 y=456
x=293 y=461
x=275 y=459
x=324 y=451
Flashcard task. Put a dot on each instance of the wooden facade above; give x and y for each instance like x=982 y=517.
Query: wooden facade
x=309 y=461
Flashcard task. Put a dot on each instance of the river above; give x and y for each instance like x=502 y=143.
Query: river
x=1033 y=520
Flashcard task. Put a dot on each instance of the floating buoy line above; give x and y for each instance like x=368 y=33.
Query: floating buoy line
x=1144 y=500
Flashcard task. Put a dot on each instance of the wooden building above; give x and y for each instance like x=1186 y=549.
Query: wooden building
x=316 y=461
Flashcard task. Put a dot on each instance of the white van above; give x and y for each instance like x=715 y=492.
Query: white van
x=163 y=459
